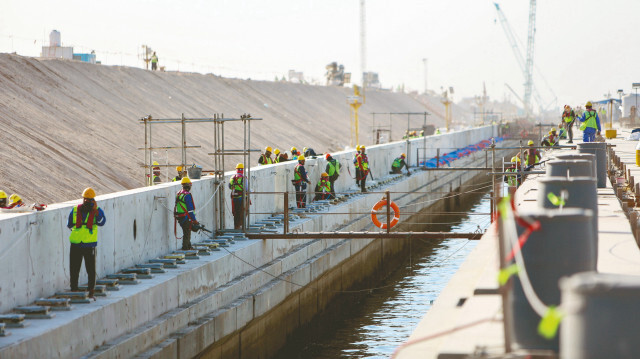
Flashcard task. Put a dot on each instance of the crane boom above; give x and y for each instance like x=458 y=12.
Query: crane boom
x=528 y=85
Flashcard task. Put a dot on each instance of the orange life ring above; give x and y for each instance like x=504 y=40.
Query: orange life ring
x=380 y=204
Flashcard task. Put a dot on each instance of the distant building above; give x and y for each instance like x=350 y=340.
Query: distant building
x=297 y=77
x=56 y=50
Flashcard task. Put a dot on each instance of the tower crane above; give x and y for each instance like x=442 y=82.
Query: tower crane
x=527 y=66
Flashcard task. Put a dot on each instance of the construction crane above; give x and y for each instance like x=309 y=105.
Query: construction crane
x=526 y=67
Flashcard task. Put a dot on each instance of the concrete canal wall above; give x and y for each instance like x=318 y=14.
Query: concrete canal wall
x=227 y=303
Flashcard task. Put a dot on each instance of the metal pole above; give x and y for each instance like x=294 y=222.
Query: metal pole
x=438 y=158
x=248 y=149
x=184 y=141
x=390 y=133
x=388 y=196
x=493 y=180
x=146 y=150
x=150 y=178
x=246 y=166
x=285 y=229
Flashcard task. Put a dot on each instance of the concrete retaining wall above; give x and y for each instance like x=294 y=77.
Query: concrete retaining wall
x=34 y=247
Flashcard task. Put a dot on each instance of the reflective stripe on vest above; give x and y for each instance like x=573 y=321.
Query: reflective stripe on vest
x=181 y=204
x=397 y=162
x=83 y=234
x=568 y=119
x=296 y=173
x=325 y=185
x=591 y=119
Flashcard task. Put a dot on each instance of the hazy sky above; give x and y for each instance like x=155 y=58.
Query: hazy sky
x=584 y=48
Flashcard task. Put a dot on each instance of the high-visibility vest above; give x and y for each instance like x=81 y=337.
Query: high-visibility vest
x=237 y=186
x=154 y=59
x=181 y=203
x=568 y=119
x=325 y=185
x=397 y=162
x=266 y=160
x=590 y=119
x=512 y=180
x=334 y=167
x=363 y=162
x=80 y=233
x=297 y=177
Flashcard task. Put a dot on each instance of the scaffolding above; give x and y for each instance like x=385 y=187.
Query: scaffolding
x=218 y=154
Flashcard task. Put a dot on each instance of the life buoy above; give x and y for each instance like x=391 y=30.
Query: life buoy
x=380 y=204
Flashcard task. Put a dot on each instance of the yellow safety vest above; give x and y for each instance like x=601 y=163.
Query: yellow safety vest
x=83 y=234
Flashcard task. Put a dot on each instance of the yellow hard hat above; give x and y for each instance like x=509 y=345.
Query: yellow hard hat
x=301 y=158
x=358 y=148
x=14 y=198
x=179 y=168
x=293 y=150
x=530 y=143
x=240 y=166
x=277 y=151
x=324 y=174
x=588 y=104
x=2 y=194
x=362 y=147
x=304 y=150
x=268 y=149
x=155 y=163
x=515 y=159
x=185 y=180
x=89 y=193
x=552 y=130
x=403 y=155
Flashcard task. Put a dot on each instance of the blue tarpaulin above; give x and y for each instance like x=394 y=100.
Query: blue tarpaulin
x=449 y=157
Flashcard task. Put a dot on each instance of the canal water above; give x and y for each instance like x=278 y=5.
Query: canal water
x=372 y=322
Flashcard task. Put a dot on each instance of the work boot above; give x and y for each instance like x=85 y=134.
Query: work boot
x=569 y=141
x=92 y=295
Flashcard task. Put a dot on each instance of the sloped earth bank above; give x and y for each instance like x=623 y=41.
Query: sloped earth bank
x=66 y=125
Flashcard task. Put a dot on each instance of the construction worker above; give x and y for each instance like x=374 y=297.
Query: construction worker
x=355 y=164
x=265 y=158
x=563 y=133
x=294 y=153
x=156 y=173
x=276 y=155
x=551 y=139
x=602 y=113
x=590 y=124
x=531 y=155
x=513 y=181
x=3 y=199
x=154 y=61
x=333 y=170
x=421 y=133
x=283 y=157
x=438 y=131
x=398 y=163
x=15 y=201
x=83 y=222
x=181 y=174
x=300 y=181
x=568 y=117
x=184 y=212
x=363 y=165
x=236 y=184
x=308 y=152
x=323 y=188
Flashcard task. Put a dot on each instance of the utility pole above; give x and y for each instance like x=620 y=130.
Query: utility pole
x=424 y=62
x=363 y=45
x=146 y=55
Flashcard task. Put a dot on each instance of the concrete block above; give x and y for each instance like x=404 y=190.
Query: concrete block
x=339 y=253
x=244 y=310
x=252 y=339
x=168 y=349
x=319 y=265
x=268 y=297
x=329 y=285
x=225 y=322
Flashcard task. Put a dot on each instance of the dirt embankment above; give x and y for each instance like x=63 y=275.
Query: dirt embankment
x=66 y=125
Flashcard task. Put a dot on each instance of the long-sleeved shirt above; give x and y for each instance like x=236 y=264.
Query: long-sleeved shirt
x=584 y=118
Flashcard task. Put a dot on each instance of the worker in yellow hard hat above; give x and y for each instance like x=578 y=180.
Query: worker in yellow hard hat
x=15 y=201
x=300 y=181
x=551 y=139
x=84 y=221
x=181 y=174
x=279 y=156
x=294 y=153
x=513 y=180
x=362 y=164
x=155 y=179
x=236 y=185
x=185 y=215
x=265 y=158
x=569 y=117
x=308 y=152
x=355 y=164
x=3 y=199
x=323 y=188
x=590 y=123
x=398 y=163
x=531 y=155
